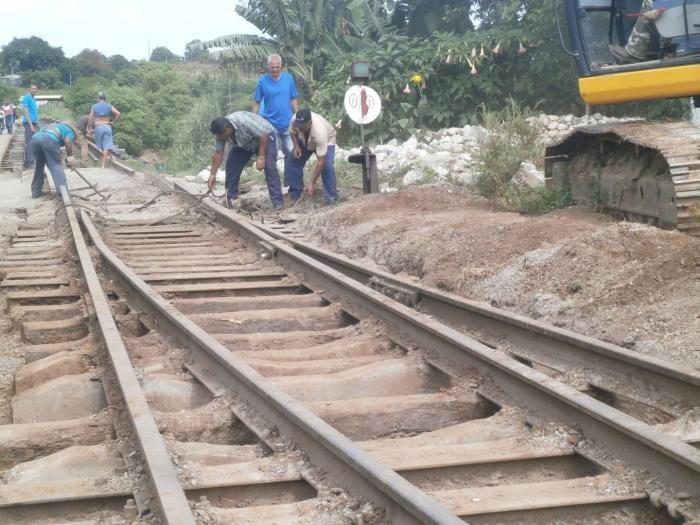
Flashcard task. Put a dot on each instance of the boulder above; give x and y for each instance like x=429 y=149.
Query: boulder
x=527 y=176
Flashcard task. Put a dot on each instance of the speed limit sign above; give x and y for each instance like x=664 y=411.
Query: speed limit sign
x=362 y=104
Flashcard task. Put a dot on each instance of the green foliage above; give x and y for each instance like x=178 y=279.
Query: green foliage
x=30 y=54
x=192 y=148
x=8 y=93
x=80 y=96
x=91 y=63
x=118 y=63
x=163 y=54
x=46 y=78
x=535 y=201
x=512 y=140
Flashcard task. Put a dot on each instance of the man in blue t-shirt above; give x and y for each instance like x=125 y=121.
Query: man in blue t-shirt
x=277 y=92
x=30 y=110
x=100 y=124
x=46 y=147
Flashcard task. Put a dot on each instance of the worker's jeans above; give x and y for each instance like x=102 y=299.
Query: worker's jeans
x=47 y=152
x=284 y=142
x=238 y=158
x=28 y=134
x=296 y=174
x=9 y=123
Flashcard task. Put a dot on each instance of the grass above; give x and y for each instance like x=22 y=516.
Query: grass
x=56 y=111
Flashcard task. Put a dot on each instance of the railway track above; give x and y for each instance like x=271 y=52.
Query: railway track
x=276 y=389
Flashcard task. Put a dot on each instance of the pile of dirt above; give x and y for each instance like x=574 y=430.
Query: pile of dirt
x=629 y=284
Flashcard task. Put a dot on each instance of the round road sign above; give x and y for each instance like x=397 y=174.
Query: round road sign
x=362 y=104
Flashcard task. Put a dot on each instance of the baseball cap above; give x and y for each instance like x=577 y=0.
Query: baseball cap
x=303 y=116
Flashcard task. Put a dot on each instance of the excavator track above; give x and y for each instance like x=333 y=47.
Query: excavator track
x=641 y=171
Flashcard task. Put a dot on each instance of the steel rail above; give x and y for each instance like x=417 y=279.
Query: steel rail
x=667 y=457
x=171 y=499
x=522 y=332
x=326 y=447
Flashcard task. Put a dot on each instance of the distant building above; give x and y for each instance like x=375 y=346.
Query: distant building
x=11 y=80
x=48 y=100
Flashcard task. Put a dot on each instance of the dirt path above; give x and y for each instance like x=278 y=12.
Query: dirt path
x=629 y=284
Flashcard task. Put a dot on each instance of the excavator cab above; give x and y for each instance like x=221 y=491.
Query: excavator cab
x=642 y=171
x=667 y=61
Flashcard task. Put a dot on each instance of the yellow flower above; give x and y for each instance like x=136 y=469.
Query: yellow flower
x=417 y=79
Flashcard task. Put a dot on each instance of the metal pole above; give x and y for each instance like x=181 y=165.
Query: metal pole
x=366 y=187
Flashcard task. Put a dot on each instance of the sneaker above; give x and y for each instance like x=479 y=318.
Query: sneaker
x=233 y=204
x=278 y=207
x=38 y=195
x=621 y=55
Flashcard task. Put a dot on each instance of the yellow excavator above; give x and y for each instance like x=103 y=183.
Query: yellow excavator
x=633 y=50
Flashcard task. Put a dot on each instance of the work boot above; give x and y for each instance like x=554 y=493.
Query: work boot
x=621 y=55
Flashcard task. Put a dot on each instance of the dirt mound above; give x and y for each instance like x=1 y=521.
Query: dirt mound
x=630 y=284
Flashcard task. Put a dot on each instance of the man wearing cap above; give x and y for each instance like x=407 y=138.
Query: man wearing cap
x=46 y=147
x=100 y=124
x=311 y=133
x=246 y=133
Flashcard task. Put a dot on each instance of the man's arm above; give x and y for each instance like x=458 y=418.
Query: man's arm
x=320 y=164
x=68 y=143
x=255 y=107
x=91 y=124
x=262 y=146
x=295 y=104
x=216 y=159
x=117 y=114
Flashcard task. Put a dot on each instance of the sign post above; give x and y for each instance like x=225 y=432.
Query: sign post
x=363 y=106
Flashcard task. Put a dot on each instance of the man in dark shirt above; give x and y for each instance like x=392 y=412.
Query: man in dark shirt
x=247 y=133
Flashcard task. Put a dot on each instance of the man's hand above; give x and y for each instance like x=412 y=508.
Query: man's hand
x=260 y=163
x=310 y=188
x=297 y=152
x=70 y=162
x=31 y=126
x=212 y=181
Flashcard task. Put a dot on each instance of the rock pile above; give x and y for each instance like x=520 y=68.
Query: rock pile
x=449 y=154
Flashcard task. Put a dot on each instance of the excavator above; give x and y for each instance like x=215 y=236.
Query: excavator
x=638 y=170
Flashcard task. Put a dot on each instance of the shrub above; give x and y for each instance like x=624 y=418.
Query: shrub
x=512 y=140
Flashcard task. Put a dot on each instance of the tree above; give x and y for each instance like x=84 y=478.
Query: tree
x=28 y=54
x=163 y=54
x=90 y=63
x=307 y=33
x=118 y=63
x=194 y=53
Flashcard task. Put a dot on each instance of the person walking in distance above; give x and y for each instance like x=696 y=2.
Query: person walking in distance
x=100 y=125
x=276 y=99
x=46 y=146
x=311 y=133
x=8 y=113
x=30 y=112
x=246 y=133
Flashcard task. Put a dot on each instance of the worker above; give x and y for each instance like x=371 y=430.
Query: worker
x=311 y=133
x=247 y=134
x=276 y=101
x=46 y=148
x=639 y=43
x=100 y=123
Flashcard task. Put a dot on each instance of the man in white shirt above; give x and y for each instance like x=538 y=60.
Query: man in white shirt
x=311 y=133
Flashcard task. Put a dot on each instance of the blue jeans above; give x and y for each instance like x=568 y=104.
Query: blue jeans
x=9 y=123
x=284 y=141
x=47 y=152
x=296 y=174
x=238 y=158
x=28 y=134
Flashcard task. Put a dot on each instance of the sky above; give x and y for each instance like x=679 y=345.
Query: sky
x=123 y=27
